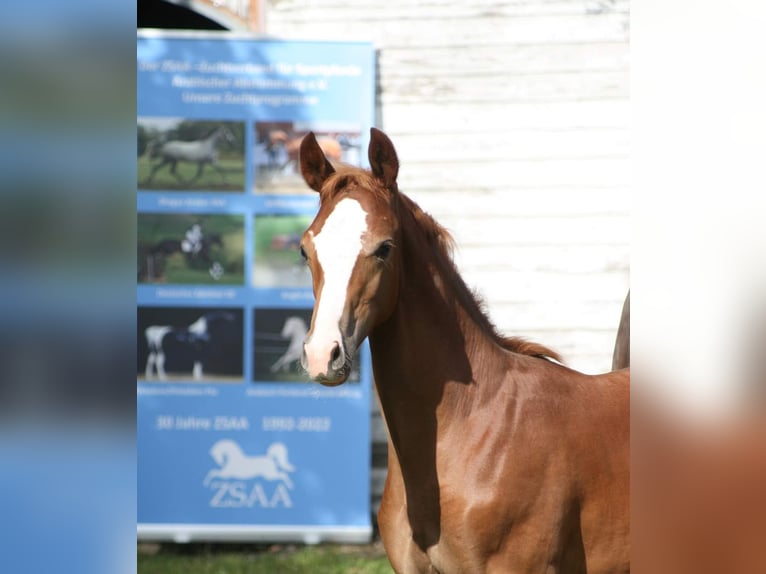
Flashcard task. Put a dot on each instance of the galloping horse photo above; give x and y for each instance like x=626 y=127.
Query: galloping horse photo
x=175 y=157
x=500 y=458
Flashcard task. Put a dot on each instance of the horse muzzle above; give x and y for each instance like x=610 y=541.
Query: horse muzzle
x=326 y=363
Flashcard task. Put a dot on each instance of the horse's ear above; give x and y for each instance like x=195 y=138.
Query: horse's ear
x=383 y=161
x=314 y=165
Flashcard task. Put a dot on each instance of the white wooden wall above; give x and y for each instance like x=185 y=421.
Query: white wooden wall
x=511 y=120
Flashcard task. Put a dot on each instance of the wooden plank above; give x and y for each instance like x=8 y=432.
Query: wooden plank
x=553 y=87
x=510 y=61
x=524 y=202
x=501 y=286
x=433 y=118
x=565 y=258
x=591 y=229
x=473 y=176
x=554 y=314
x=393 y=30
x=523 y=144
x=424 y=10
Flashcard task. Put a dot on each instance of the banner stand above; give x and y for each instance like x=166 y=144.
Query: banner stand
x=234 y=444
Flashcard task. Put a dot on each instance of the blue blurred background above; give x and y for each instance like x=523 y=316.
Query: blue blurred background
x=67 y=294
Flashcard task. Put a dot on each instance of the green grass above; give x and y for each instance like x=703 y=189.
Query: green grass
x=177 y=272
x=210 y=180
x=324 y=559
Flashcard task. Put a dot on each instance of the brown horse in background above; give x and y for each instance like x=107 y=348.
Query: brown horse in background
x=291 y=143
x=500 y=458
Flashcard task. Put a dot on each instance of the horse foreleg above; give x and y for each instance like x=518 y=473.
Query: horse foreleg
x=150 y=360
x=220 y=170
x=200 y=168
x=173 y=165
x=155 y=169
x=160 y=363
x=197 y=370
x=278 y=364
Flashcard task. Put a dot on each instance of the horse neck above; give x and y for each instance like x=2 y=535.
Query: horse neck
x=213 y=138
x=437 y=343
x=428 y=358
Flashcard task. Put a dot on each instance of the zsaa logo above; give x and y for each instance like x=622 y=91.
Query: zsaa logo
x=238 y=480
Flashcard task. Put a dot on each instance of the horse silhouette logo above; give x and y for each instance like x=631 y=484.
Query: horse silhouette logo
x=234 y=463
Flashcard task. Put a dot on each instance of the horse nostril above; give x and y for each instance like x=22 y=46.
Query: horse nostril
x=336 y=357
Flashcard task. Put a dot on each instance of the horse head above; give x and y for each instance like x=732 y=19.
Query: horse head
x=351 y=248
x=224 y=450
x=226 y=134
x=219 y=317
x=294 y=326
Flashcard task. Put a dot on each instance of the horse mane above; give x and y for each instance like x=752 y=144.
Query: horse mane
x=443 y=244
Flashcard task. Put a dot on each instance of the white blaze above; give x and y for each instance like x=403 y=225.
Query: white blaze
x=337 y=247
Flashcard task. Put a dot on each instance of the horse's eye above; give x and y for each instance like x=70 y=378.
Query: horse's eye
x=383 y=250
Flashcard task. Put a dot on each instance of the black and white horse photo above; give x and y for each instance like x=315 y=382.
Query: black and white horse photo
x=202 y=349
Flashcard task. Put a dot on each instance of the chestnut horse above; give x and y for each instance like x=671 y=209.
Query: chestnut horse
x=500 y=458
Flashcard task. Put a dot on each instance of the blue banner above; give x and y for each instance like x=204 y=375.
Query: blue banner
x=233 y=442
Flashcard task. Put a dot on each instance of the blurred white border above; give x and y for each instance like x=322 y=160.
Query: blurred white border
x=698 y=265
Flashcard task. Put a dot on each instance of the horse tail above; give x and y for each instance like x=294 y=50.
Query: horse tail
x=152 y=149
x=621 y=354
x=278 y=453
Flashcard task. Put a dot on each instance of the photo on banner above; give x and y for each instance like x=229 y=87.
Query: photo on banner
x=278 y=337
x=191 y=248
x=277 y=169
x=191 y=155
x=189 y=344
x=277 y=262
